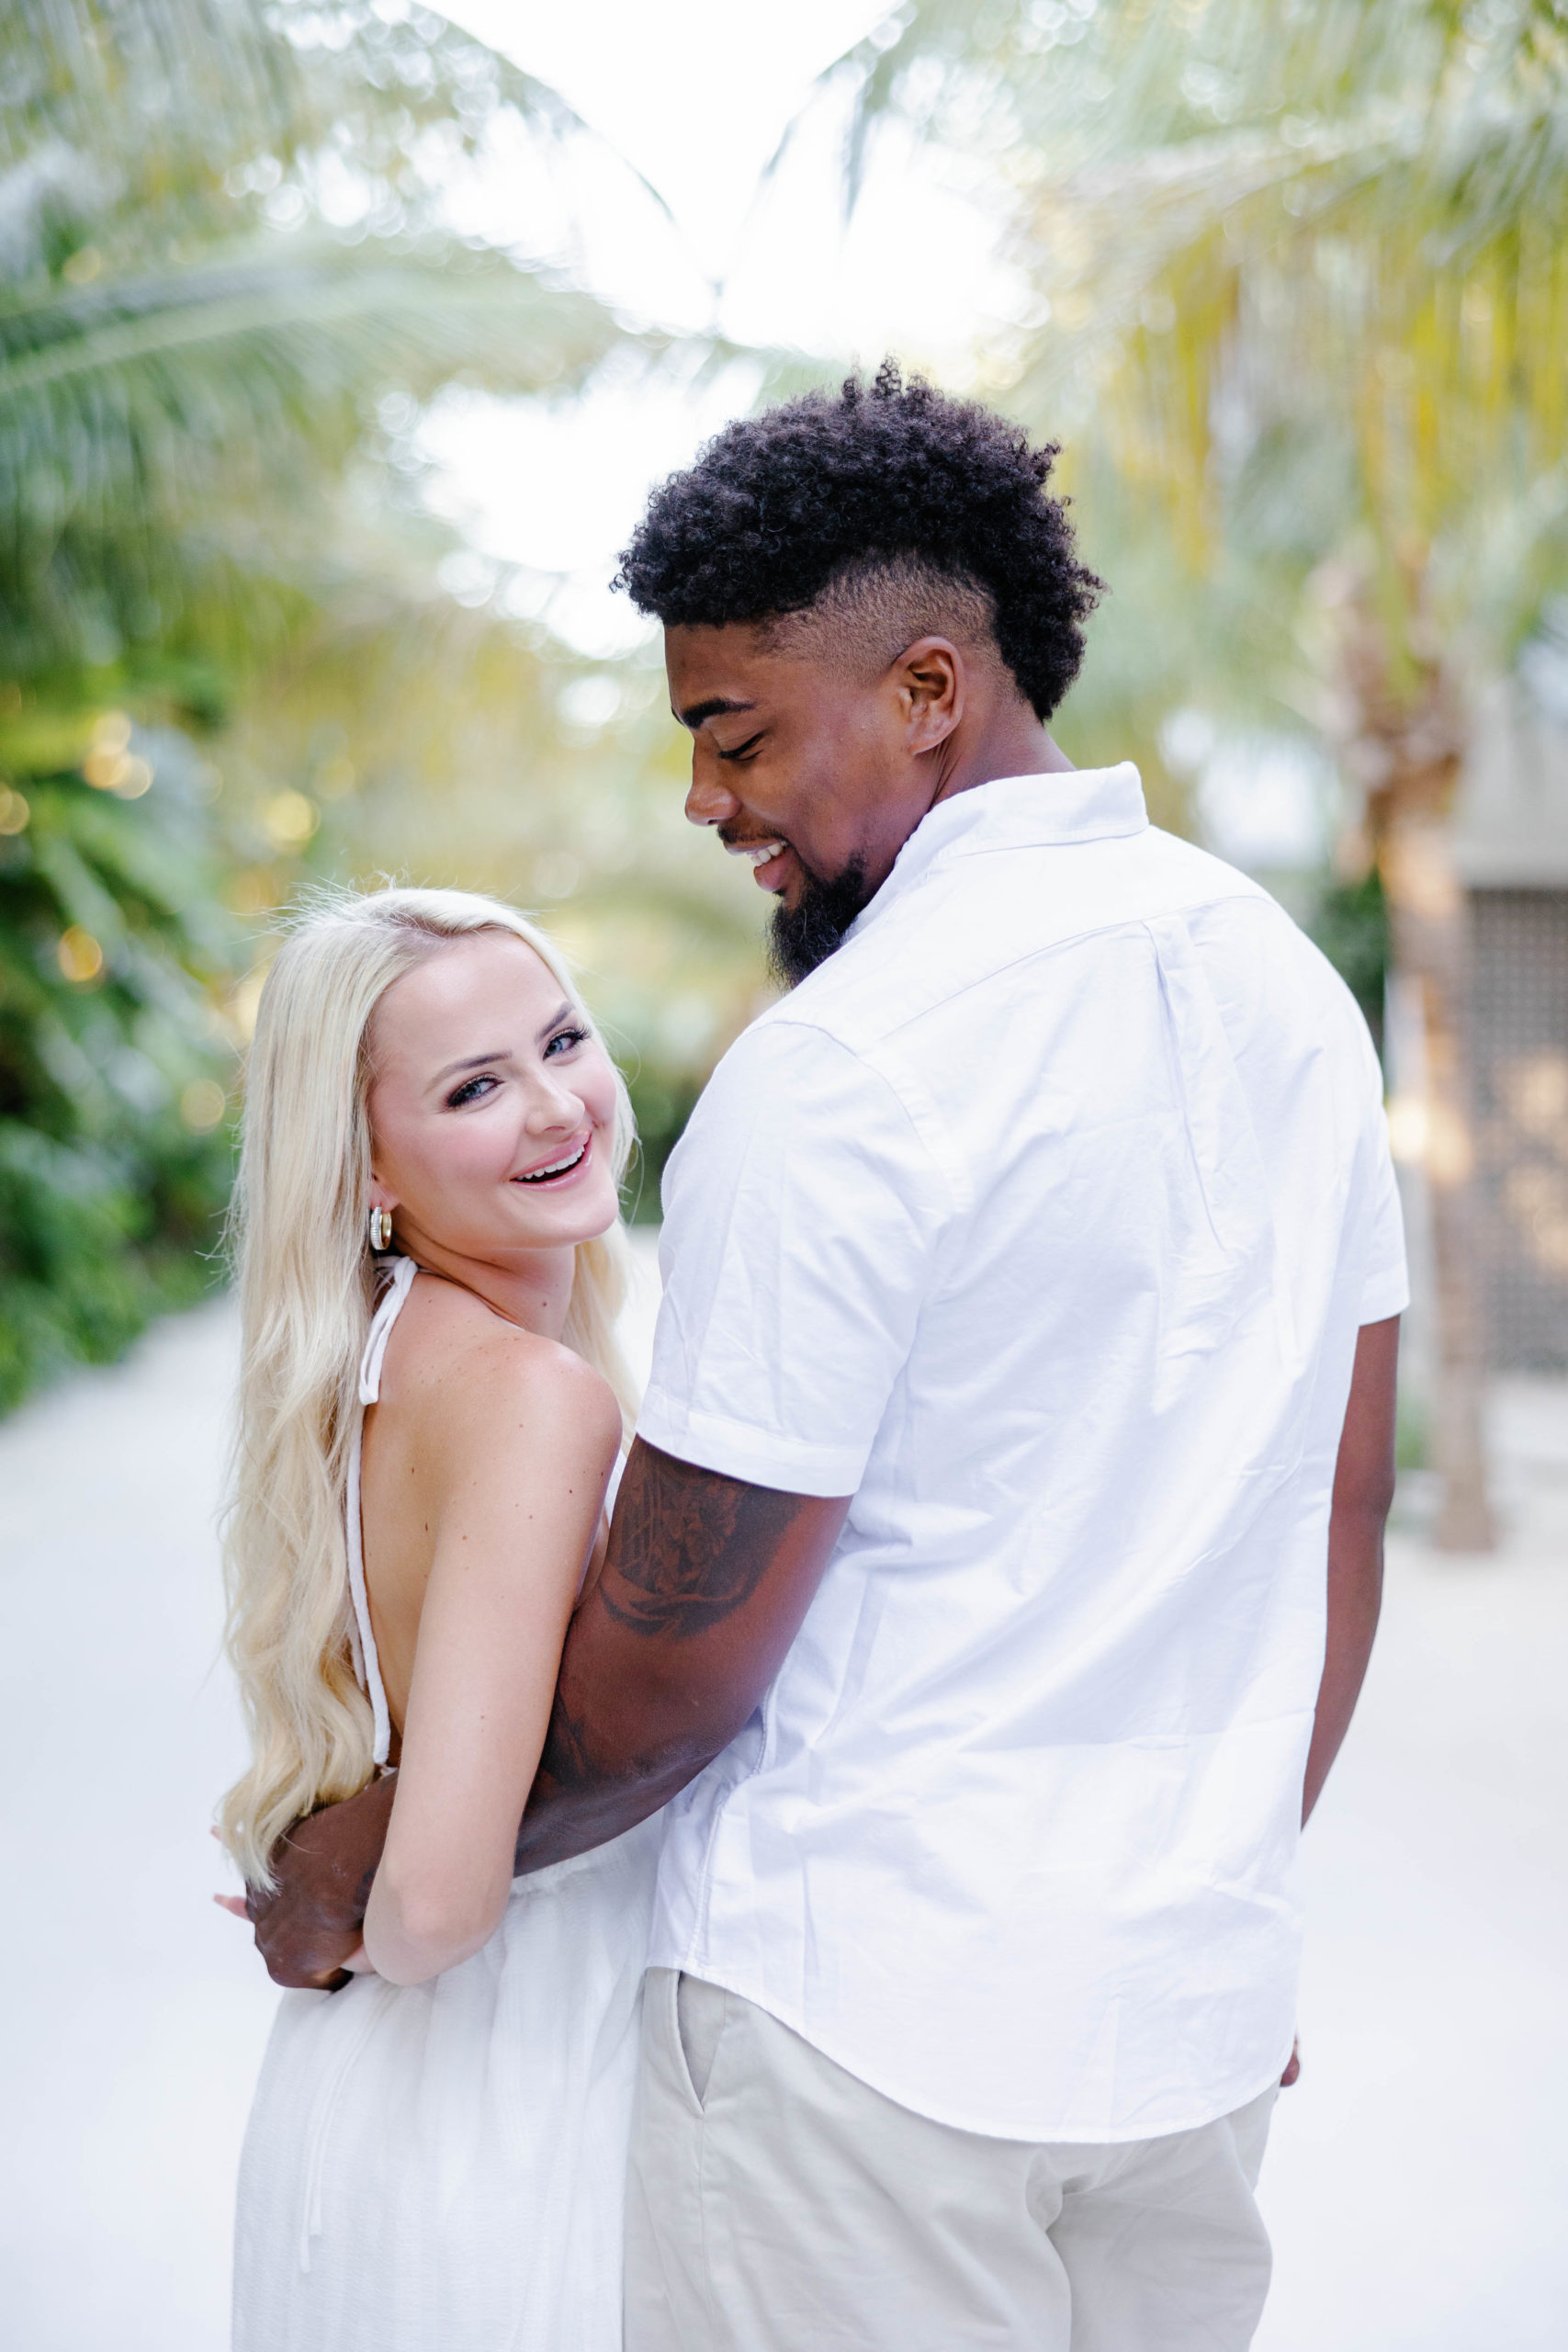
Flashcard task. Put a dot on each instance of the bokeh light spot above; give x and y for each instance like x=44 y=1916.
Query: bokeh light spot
x=289 y=819
x=202 y=1105
x=80 y=957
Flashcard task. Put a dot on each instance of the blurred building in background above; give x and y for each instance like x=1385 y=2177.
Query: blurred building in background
x=1511 y=848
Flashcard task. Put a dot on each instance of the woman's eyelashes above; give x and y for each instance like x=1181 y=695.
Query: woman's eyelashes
x=485 y=1081
x=472 y=1089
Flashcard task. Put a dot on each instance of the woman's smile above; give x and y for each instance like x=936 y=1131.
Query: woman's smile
x=563 y=1166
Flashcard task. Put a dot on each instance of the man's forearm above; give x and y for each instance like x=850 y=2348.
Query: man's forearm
x=704 y=1589
x=1354 y=1598
x=705 y=1584
x=619 y=1745
x=1363 y=1493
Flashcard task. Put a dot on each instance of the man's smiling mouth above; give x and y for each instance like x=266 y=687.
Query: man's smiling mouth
x=759 y=856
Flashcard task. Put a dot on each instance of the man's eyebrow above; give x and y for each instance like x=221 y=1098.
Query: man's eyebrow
x=714 y=706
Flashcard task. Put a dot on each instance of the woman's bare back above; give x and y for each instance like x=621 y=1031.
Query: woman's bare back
x=449 y=1358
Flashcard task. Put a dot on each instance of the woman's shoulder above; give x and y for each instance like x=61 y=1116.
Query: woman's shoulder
x=471 y=1368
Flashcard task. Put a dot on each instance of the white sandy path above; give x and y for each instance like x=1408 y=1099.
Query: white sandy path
x=1416 y=2182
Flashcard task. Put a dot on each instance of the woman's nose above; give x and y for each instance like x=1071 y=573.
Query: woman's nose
x=554 y=1104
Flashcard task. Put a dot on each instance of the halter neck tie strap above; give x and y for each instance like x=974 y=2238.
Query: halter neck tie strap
x=399 y=1280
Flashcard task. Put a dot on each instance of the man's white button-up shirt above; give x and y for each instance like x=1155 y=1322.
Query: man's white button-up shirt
x=1041 y=1220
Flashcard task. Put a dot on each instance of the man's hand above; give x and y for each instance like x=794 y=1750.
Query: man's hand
x=308 y=1929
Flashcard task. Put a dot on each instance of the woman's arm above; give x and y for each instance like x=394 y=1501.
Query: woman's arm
x=706 y=1584
x=524 y=1446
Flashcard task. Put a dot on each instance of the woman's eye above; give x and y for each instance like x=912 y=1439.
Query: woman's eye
x=566 y=1039
x=472 y=1089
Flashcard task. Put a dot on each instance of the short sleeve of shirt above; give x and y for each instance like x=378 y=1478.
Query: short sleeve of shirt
x=1385 y=1288
x=802 y=1209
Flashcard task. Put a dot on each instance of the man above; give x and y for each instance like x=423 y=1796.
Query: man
x=996 y=1568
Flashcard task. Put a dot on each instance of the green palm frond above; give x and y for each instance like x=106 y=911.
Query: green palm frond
x=142 y=421
x=1286 y=258
x=404 y=313
x=161 y=102
x=208 y=78
x=183 y=382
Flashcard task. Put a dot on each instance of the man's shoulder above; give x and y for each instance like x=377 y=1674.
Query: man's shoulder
x=803 y=1047
x=991 y=924
x=976 y=922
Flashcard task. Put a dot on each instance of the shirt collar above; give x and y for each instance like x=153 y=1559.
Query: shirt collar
x=1017 y=812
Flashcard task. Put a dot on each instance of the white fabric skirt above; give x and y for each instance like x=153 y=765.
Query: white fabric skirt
x=441 y=2168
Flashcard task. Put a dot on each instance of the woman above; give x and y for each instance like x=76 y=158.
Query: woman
x=436 y=2155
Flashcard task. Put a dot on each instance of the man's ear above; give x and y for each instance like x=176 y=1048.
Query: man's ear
x=930 y=682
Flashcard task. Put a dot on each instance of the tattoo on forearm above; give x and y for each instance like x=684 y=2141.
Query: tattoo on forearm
x=688 y=1546
x=567 y=1758
x=688 y=1549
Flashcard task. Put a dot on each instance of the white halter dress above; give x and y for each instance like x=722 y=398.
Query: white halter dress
x=441 y=2168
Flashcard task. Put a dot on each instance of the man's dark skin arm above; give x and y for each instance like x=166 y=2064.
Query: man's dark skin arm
x=1363 y=1492
x=704 y=1587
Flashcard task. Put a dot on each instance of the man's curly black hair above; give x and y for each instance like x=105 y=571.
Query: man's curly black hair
x=780 y=506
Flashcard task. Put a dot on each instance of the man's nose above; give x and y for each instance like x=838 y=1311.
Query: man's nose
x=709 y=802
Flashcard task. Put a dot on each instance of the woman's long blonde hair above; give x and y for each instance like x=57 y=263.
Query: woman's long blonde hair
x=307 y=1292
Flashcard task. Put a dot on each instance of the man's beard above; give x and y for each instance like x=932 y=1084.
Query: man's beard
x=806 y=935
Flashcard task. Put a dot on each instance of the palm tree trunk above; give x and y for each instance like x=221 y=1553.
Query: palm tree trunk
x=1431 y=940
x=1403 y=730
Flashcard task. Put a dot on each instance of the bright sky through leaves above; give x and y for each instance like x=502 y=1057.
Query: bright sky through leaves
x=696 y=94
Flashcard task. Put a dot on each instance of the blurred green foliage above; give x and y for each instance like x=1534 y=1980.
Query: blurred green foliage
x=223 y=242
x=113 y=1063
x=1349 y=922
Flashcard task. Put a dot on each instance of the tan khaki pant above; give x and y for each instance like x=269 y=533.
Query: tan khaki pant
x=778 y=2205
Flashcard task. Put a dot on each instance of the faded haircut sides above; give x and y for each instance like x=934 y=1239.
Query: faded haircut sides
x=871 y=612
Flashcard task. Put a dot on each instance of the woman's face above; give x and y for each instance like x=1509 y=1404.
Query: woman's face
x=492 y=1108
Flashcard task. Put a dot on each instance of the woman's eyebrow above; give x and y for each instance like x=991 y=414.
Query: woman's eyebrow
x=564 y=1011
x=472 y=1061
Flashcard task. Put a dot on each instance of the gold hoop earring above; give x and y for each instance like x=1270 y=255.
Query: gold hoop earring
x=380 y=1230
